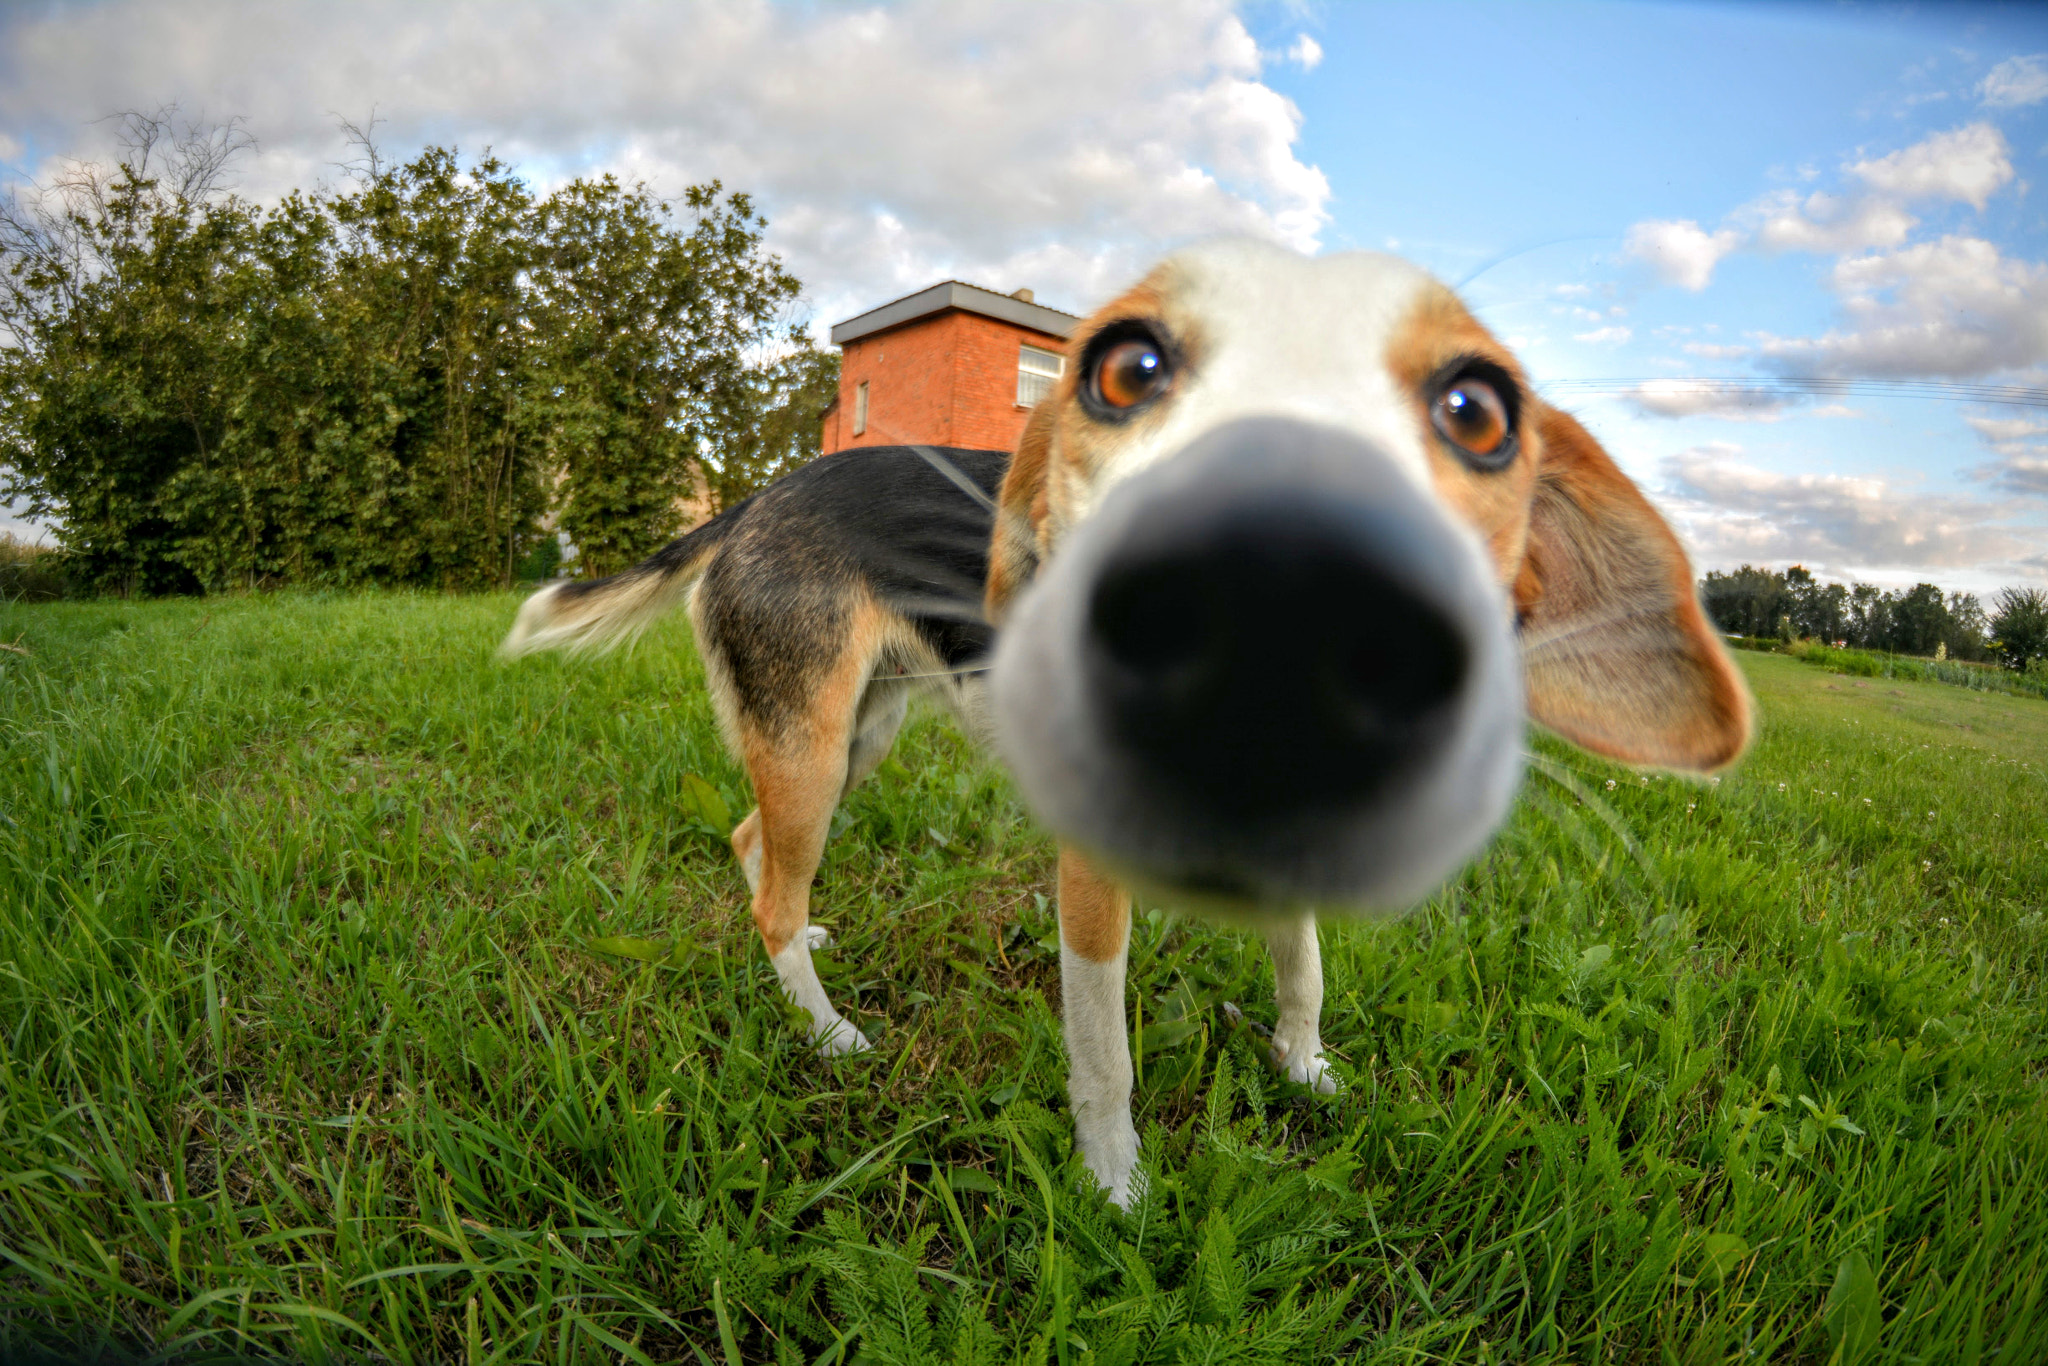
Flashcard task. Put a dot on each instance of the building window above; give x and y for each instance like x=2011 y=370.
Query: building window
x=860 y=409
x=1036 y=372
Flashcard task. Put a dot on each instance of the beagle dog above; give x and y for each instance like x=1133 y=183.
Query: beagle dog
x=1256 y=615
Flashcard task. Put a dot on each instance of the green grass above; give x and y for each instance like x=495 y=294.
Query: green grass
x=305 y=1051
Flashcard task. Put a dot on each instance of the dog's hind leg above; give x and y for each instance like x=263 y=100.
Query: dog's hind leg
x=882 y=709
x=798 y=778
x=1298 y=992
x=1095 y=941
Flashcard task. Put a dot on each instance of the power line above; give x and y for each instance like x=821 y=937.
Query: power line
x=1824 y=386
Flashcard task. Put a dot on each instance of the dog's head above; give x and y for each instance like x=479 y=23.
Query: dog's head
x=1284 y=561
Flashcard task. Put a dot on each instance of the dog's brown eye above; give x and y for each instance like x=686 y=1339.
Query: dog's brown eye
x=1471 y=415
x=1129 y=373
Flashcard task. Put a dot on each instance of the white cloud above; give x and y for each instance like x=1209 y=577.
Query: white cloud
x=1604 y=336
x=2000 y=431
x=889 y=146
x=1844 y=525
x=1707 y=398
x=1714 y=350
x=1680 y=251
x=1827 y=222
x=1953 y=307
x=2022 y=466
x=2025 y=473
x=2016 y=81
x=1306 y=53
x=1966 y=164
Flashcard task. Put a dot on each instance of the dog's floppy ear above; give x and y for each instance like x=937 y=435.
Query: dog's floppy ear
x=1020 y=507
x=1617 y=656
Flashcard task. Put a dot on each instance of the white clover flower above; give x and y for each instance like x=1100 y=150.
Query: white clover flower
x=1927 y=865
x=1610 y=784
x=1866 y=801
x=1689 y=805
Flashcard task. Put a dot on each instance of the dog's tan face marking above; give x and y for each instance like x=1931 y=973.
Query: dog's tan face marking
x=1328 y=340
x=1431 y=347
x=1377 y=354
x=1365 y=343
x=1082 y=448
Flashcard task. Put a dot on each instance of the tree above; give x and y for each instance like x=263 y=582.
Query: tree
x=1968 y=632
x=1748 y=601
x=1819 y=610
x=438 y=429
x=1919 y=620
x=2019 y=626
x=769 y=423
x=390 y=383
x=123 y=287
x=645 y=331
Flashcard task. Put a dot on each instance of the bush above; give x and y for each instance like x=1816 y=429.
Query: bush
x=542 y=562
x=394 y=381
x=1862 y=664
x=1855 y=662
x=30 y=573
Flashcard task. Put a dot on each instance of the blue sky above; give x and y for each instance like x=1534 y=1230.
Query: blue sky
x=1651 y=193
x=1553 y=131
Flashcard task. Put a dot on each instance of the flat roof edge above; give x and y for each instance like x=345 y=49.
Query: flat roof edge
x=955 y=294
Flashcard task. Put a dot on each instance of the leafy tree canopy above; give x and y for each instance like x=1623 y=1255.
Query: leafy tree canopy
x=415 y=379
x=1920 y=620
x=2019 y=625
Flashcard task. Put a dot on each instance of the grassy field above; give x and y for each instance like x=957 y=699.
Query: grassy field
x=323 y=1036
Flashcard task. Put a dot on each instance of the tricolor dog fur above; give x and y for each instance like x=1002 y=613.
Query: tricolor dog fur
x=1266 y=595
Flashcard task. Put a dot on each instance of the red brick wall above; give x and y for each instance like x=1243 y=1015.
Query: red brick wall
x=948 y=380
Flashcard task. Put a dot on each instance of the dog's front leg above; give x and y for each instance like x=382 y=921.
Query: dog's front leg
x=1298 y=991
x=1095 y=940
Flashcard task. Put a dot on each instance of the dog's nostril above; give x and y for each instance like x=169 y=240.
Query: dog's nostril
x=1158 y=616
x=1263 y=660
x=1402 y=660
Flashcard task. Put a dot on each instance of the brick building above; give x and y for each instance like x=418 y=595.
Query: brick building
x=953 y=365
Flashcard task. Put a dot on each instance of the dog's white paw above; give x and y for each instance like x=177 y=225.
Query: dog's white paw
x=817 y=937
x=1125 y=1193
x=1110 y=1149
x=1305 y=1066
x=838 y=1038
x=1313 y=1070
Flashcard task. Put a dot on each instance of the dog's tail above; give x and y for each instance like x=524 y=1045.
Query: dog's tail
x=593 y=616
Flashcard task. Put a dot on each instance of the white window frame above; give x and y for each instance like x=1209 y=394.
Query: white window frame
x=860 y=409
x=1037 y=371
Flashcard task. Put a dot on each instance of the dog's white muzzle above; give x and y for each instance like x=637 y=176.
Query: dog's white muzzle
x=1267 y=673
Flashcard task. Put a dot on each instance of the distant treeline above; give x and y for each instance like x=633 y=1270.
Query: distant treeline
x=403 y=381
x=1921 y=620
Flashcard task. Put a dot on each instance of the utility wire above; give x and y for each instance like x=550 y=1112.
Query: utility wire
x=1820 y=385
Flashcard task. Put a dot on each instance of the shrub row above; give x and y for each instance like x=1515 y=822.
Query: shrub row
x=1864 y=664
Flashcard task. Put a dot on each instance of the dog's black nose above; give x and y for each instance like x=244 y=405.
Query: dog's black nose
x=1271 y=655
